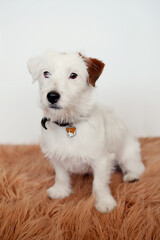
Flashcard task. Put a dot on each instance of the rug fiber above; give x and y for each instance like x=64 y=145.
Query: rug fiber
x=26 y=213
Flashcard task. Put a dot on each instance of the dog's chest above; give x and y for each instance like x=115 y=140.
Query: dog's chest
x=68 y=142
x=75 y=151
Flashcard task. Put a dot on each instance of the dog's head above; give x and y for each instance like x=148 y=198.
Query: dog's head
x=66 y=82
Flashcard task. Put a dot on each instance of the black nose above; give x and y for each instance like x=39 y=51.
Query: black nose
x=53 y=97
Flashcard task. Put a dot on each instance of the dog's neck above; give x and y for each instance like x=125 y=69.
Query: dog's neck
x=69 y=116
x=44 y=120
x=65 y=119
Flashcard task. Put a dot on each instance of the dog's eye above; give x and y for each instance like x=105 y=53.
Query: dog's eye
x=46 y=74
x=73 y=75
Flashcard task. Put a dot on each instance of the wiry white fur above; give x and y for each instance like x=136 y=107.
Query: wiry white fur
x=101 y=140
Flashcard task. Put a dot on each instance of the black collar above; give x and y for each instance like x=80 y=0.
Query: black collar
x=44 y=120
x=62 y=124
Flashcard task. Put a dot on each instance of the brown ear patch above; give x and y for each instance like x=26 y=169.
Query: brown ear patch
x=95 y=68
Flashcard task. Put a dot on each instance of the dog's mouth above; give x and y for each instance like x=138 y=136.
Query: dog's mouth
x=54 y=106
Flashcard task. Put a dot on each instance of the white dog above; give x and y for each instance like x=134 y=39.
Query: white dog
x=80 y=136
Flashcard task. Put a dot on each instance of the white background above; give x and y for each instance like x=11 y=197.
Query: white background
x=124 y=34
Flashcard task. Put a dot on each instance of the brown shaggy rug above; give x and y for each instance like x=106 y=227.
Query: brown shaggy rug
x=26 y=213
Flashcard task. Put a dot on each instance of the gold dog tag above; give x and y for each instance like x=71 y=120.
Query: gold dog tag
x=71 y=131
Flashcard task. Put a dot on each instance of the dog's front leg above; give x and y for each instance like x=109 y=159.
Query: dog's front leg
x=104 y=201
x=62 y=186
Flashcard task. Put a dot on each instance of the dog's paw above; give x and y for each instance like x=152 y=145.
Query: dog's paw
x=131 y=177
x=57 y=192
x=106 y=205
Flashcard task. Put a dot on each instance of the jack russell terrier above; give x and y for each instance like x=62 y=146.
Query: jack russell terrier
x=78 y=135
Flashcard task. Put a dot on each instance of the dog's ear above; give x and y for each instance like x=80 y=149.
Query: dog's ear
x=33 y=67
x=94 y=68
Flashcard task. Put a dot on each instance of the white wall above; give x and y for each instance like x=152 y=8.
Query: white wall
x=124 y=34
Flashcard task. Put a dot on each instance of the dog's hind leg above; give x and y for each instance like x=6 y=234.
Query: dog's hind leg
x=130 y=160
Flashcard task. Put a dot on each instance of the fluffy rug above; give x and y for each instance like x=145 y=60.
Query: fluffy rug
x=26 y=213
